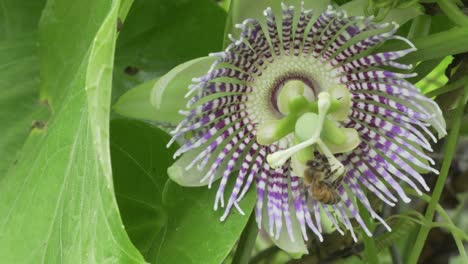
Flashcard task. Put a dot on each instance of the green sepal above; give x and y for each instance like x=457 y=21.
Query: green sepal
x=192 y=177
x=135 y=103
x=161 y=99
x=168 y=94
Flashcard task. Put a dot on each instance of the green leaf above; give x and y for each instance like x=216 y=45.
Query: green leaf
x=194 y=233
x=436 y=78
x=168 y=223
x=159 y=35
x=19 y=18
x=19 y=75
x=139 y=162
x=424 y=68
x=58 y=204
x=161 y=99
x=439 y=23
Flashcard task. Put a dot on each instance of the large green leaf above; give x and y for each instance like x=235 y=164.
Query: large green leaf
x=19 y=77
x=19 y=18
x=160 y=34
x=57 y=203
x=194 y=233
x=139 y=162
x=168 y=223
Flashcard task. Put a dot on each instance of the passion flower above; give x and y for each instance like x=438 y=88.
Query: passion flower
x=294 y=89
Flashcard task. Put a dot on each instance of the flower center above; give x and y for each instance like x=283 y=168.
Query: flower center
x=299 y=101
x=265 y=104
x=314 y=124
x=293 y=103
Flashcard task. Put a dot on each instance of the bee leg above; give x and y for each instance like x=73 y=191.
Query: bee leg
x=328 y=185
x=336 y=168
x=338 y=182
x=336 y=197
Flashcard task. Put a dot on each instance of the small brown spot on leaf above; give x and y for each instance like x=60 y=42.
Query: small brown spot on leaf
x=130 y=70
x=119 y=24
x=38 y=124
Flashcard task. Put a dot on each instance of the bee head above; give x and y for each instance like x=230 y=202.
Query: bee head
x=312 y=163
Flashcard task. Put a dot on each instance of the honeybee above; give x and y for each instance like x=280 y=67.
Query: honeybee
x=322 y=180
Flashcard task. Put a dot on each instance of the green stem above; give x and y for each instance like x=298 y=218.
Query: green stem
x=370 y=248
x=246 y=242
x=453 y=12
x=464 y=128
x=449 y=153
x=458 y=234
x=458 y=241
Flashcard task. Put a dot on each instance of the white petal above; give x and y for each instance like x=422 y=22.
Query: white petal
x=296 y=247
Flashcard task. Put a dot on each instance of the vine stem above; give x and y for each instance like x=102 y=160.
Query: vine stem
x=458 y=235
x=246 y=241
x=449 y=153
